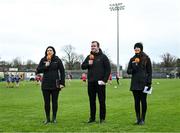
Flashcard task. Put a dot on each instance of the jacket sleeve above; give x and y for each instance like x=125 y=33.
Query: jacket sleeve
x=62 y=72
x=85 y=64
x=148 y=72
x=41 y=67
x=107 y=68
x=129 y=69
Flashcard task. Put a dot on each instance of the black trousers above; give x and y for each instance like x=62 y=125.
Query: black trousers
x=117 y=80
x=140 y=97
x=48 y=95
x=100 y=90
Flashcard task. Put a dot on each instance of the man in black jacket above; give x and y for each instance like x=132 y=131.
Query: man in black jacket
x=99 y=70
x=53 y=80
x=141 y=70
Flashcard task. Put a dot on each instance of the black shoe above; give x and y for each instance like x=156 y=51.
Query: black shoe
x=54 y=121
x=91 y=121
x=141 y=122
x=102 y=121
x=137 y=122
x=46 y=122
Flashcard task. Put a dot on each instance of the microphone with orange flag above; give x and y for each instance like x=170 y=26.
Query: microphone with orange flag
x=91 y=59
x=49 y=56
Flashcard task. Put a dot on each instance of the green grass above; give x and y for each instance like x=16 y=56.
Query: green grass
x=21 y=109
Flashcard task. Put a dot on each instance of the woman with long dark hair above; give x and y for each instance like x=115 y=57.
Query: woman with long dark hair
x=141 y=70
x=53 y=81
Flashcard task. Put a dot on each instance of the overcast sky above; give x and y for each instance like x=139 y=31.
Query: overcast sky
x=27 y=27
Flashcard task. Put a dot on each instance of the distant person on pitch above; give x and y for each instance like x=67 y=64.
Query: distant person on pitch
x=98 y=67
x=141 y=70
x=117 y=78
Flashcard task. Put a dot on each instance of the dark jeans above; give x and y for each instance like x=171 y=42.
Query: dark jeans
x=140 y=97
x=93 y=89
x=48 y=95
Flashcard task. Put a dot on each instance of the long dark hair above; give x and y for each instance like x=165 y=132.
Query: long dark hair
x=143 y=58
x=52 y=49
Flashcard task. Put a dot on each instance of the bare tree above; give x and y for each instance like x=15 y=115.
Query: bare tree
x=17 y=62
x=178 y=65
x=30 y=64
x=71 y=58
x=178 y=62
x=81 y=58
x=168 y=60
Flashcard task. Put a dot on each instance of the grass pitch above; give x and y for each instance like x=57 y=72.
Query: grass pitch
x=21 y=109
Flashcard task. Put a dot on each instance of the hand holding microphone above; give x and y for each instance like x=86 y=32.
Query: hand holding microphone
x=137 y=60
x=91 y=59
x=47 y=63
x=48 y=57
